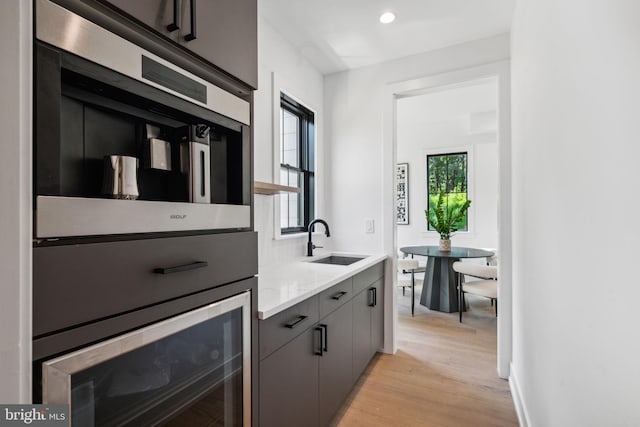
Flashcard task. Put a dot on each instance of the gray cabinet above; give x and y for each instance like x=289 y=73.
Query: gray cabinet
x=377 y=318
x=286 y=325
x=225 y=31
x=335 y=365
x=361 y=332
x=289 y=384
x=97 y=275
x=312 y=353
x=368 y=319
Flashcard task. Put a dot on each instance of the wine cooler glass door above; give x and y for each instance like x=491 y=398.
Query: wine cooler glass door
x=192 y=369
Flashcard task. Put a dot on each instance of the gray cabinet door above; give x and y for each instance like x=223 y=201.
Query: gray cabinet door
x=289 y=384
x=157 y=14
x=361 y=332
x=336 y=370
x=228 y=37
x=282 y=327
x=377 y=318
x=98 y=275
x=226 y=31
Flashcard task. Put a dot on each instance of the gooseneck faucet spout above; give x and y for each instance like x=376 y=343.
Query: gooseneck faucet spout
x=310 y=245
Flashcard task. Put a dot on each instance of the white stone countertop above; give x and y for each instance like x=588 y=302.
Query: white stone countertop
x=281 y=286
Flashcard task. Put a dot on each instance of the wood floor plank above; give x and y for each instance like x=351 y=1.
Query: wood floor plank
x=443 y=375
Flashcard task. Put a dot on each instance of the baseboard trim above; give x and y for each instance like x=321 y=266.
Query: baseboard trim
x=518 y=402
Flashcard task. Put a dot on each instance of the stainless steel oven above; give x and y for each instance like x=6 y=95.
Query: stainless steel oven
x=103 y=102
x=189 y=370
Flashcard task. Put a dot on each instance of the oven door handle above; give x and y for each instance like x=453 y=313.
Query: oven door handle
x=179 y=268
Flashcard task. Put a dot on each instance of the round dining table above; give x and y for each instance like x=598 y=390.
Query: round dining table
x=439 y=287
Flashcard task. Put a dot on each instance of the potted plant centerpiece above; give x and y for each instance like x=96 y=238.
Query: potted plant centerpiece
x=446 y=218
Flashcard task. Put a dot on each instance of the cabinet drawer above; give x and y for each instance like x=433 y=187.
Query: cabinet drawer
x=335 y=296
x=286 y=325
x=75 y=284
x=367 y=277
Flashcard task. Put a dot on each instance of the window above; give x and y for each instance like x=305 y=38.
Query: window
x=297 y=165
x=448 y=172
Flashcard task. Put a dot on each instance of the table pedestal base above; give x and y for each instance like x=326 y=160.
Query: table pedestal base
x=439 y=290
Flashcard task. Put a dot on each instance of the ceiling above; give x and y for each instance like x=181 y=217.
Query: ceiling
x=337 y=35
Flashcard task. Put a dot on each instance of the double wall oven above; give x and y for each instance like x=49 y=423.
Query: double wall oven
x=144 y=287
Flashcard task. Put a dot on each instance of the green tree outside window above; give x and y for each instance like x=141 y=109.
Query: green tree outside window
x=448 y=172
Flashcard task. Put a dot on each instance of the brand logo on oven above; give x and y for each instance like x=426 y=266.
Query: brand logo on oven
x=177 y=216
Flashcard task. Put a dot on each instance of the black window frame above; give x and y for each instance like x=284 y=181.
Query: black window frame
x=306 y=160
x=466 y=183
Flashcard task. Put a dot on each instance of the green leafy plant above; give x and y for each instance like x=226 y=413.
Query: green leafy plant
x=445 y=218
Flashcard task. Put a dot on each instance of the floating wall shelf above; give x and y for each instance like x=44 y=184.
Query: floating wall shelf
x=268 y=188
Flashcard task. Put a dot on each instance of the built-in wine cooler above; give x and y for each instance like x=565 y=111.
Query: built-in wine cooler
x=190 y=370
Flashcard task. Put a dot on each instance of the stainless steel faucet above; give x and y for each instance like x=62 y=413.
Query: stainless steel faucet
x=310 y=245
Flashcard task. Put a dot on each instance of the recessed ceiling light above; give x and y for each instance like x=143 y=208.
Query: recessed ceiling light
x=387 y=17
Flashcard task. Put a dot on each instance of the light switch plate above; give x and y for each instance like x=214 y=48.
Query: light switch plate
x=369 y=225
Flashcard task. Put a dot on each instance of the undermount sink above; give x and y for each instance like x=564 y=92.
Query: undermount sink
x=338 y=260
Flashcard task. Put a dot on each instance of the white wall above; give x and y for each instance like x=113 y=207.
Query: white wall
x=576 y=98
x=360 y=134
x=439 y=122
x=280 y=64
x=15 y=201
x=354 y=108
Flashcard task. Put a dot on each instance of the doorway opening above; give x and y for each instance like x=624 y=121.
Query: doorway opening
x=465 y=111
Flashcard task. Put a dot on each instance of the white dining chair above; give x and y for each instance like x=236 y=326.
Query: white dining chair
x=493 y=259
x=486 y=287
x=407 y=277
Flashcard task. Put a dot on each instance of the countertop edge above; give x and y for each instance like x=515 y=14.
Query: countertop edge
x=344 y=273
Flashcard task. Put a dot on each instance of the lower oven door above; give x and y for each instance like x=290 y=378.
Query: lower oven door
x=190 y=370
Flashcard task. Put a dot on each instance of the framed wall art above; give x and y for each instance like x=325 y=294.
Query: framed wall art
x=402 y=193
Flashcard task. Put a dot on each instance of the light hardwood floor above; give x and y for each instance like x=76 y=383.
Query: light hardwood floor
x=444 y=374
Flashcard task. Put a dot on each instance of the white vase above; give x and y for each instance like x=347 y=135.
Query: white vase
x=445 y=245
